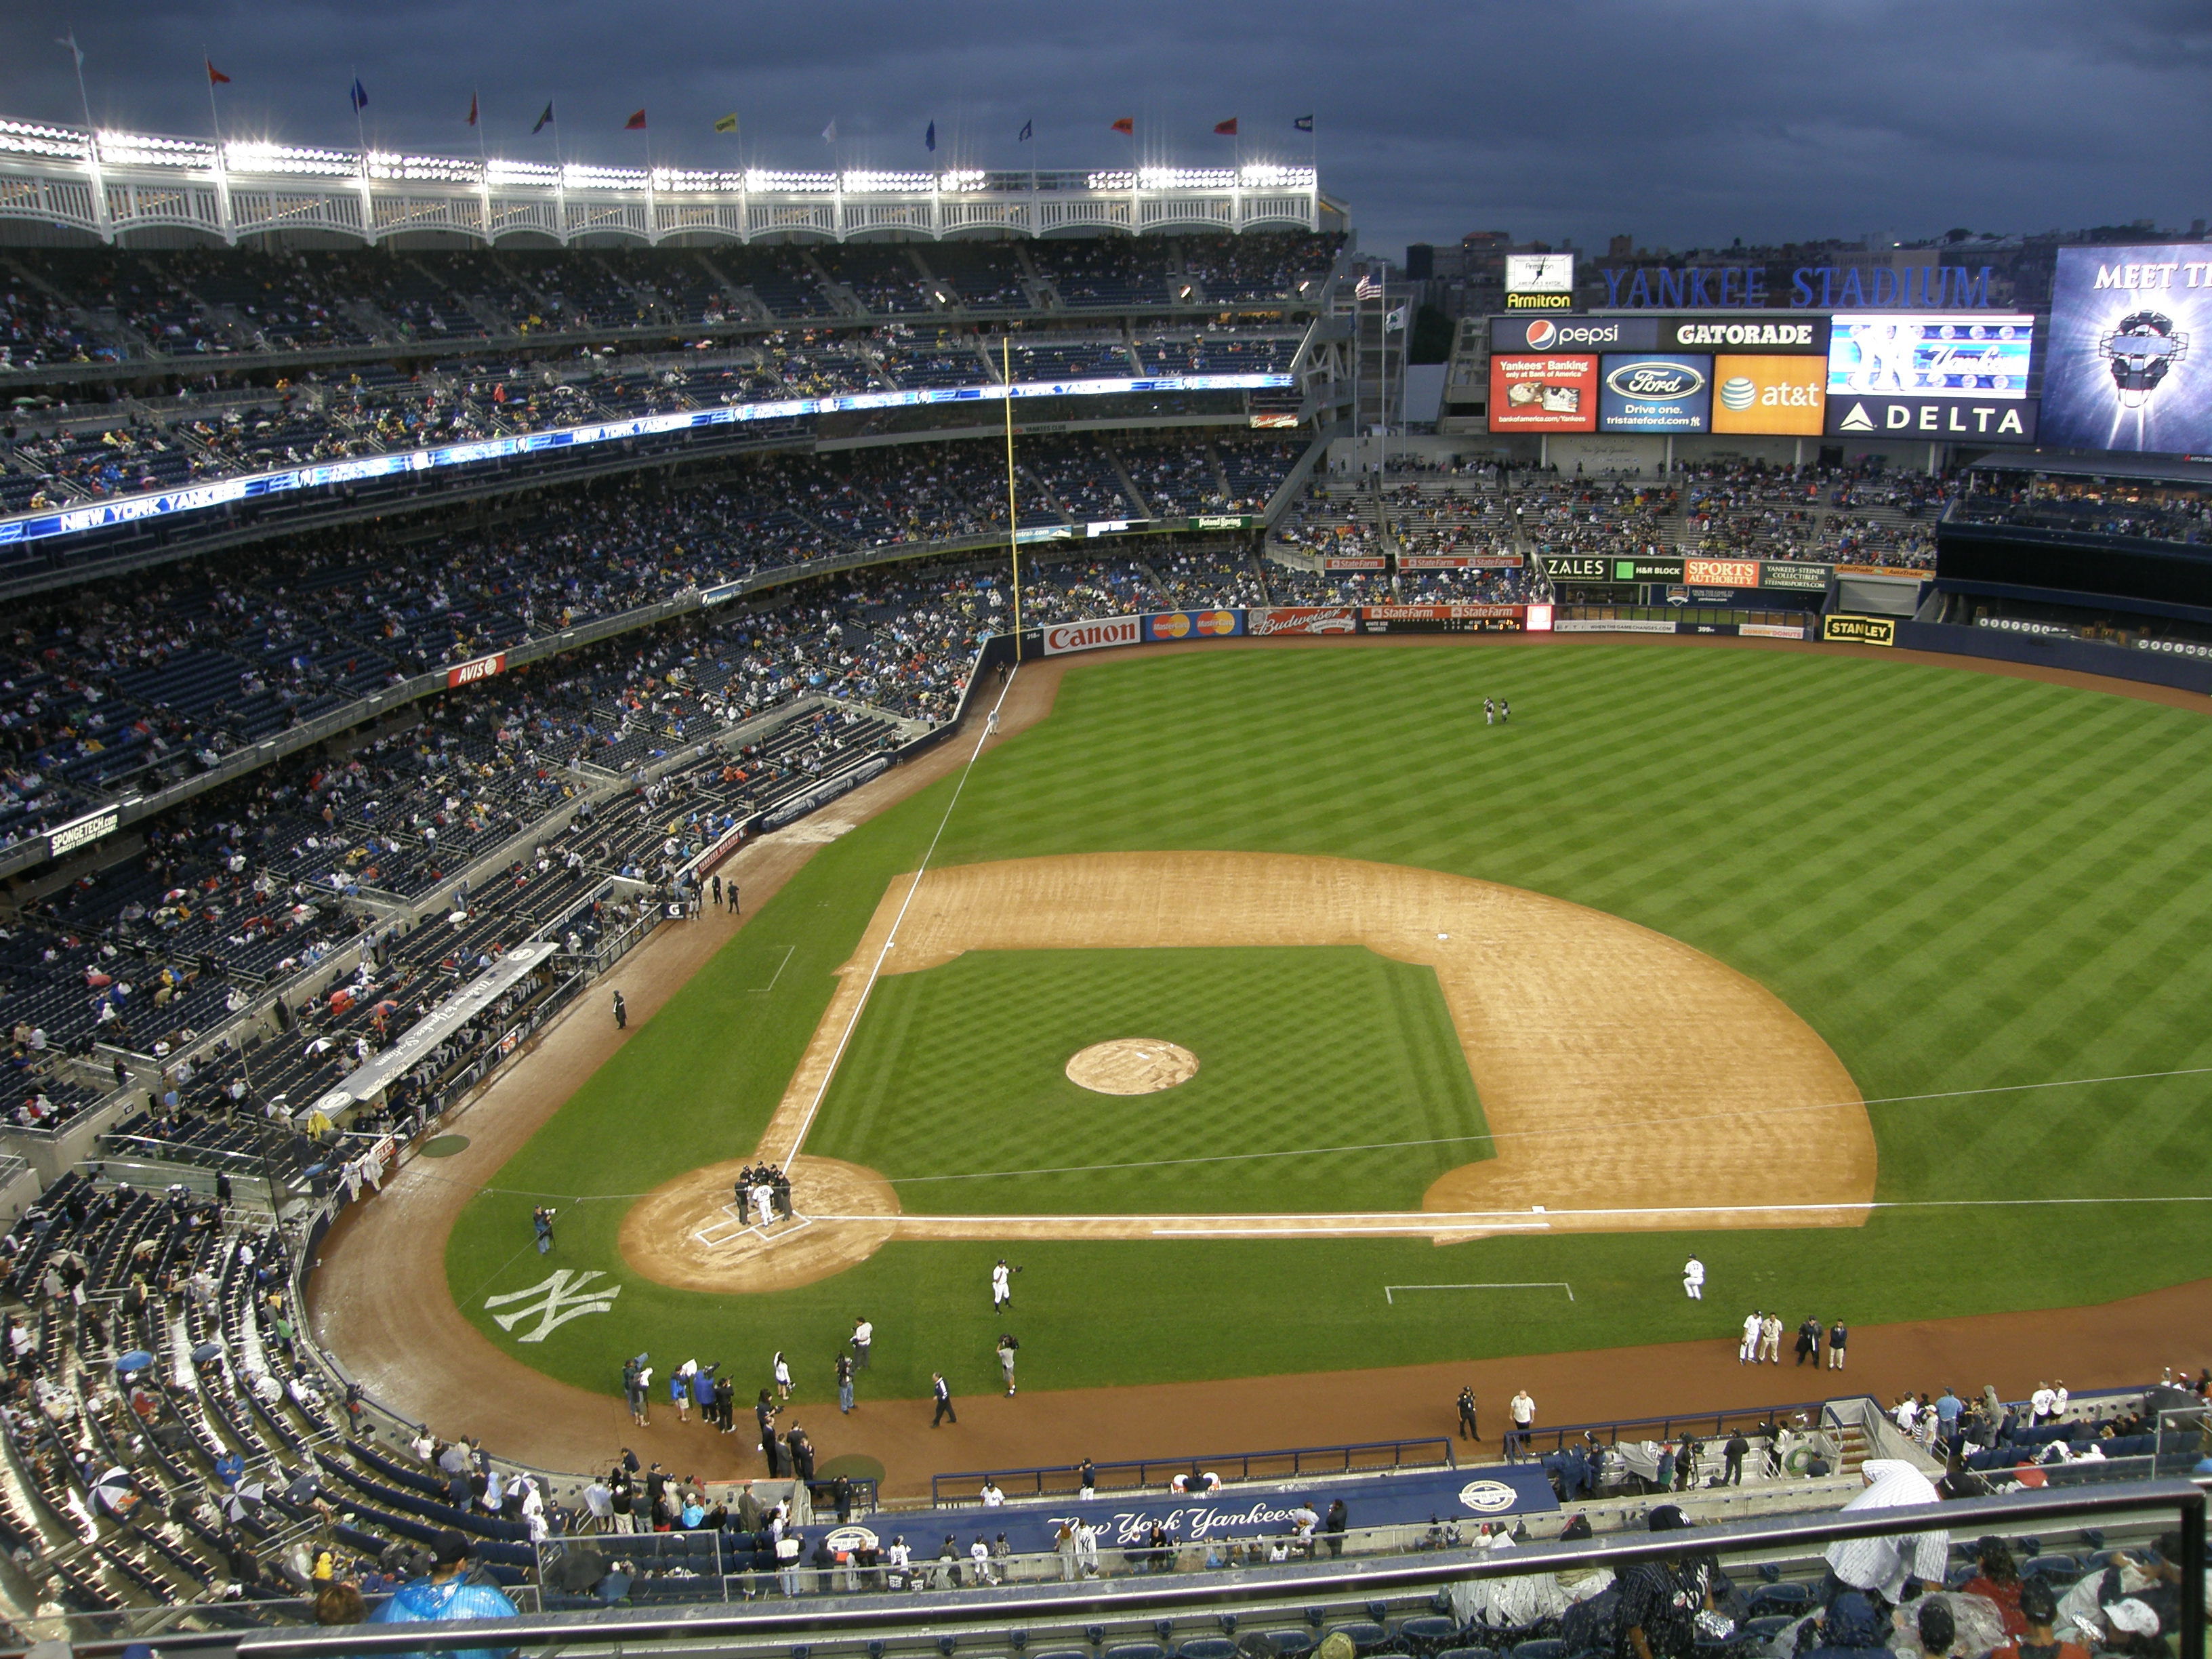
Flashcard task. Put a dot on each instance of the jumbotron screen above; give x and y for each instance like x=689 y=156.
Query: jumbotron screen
x=2126 y=368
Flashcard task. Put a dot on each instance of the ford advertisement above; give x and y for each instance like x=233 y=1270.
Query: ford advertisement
x=1654 y=394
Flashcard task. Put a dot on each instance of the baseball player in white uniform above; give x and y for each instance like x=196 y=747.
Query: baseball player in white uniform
x=1694 y=1280
x=1002 y=1285
x=1748 y=1353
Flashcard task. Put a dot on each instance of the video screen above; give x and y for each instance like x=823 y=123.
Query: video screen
x=1890 y=353
x=2126 y=368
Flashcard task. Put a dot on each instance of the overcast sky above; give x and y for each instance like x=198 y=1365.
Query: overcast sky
x=1682 y=123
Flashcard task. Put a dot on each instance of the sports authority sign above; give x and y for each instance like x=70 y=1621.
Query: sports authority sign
x=477 y=668
x=1721 y=573
x=1063 y=637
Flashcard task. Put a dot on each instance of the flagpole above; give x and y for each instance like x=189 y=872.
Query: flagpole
x=359 y=129
x=1014 y=520
x=207 y=68
x=76 y=53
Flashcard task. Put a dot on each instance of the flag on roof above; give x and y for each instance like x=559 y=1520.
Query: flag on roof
x=829 y=132
x=472 y=109
x=727 y=124
x=358 y=96
x=1128 y=124
x=1367 y=288
x=1226 y=129
x=1028 y=132
x=635 y=124
x=543 y=119
x=929 y=138
x=76 y=51
x=216 y=76
x=1303 y=124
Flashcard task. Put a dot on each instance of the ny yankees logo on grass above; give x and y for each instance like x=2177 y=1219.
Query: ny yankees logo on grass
x=561 y=1297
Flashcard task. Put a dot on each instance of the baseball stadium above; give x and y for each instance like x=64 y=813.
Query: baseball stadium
x=905 y=913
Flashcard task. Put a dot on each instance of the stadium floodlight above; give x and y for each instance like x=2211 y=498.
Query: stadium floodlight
x=1186 y=179
x=1112 y=180
x=890 y=184
x=138 y=149
x=1267 y=175
x=29 y=138
x=259 y=156
x=761 y=181
x=429 y=169
x=963 y=179
x=578 y=176
x=499 y=171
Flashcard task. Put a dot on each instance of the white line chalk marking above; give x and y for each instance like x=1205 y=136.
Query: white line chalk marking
x=1539 y=1285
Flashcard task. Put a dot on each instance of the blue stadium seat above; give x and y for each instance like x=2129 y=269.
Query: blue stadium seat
x=1136 y=1650
x=1366 y=1634
x=2059 y=1570
x=1290 y=1644
x=1545 y=1648
x=1468 y=1653
x=1428 y=1633
x=1207 y=1647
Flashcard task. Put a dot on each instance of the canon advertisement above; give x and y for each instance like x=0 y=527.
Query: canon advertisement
x=1654 y=394
x=2120 y=373
x=1543 y=394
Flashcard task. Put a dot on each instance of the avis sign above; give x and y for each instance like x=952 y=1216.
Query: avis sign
x=478 y=668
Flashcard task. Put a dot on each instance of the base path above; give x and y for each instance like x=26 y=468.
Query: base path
x=380 y=1302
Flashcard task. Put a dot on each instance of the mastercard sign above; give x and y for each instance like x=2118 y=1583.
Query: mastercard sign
x=1778 y=396
x=1194 y=624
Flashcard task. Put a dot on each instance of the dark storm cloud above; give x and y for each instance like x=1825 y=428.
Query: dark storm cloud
x=1679 y=124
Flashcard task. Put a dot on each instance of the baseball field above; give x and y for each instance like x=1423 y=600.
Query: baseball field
x=1875 y=984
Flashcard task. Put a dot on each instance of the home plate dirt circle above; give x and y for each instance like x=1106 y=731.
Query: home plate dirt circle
x=1132 y=1065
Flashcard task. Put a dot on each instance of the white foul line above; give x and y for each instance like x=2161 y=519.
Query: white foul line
x=876 y=969
x=1539 y=1285
x=763 y=990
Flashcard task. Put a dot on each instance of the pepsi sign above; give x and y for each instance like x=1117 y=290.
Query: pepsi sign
x=1574 y=334
x=1654 y=394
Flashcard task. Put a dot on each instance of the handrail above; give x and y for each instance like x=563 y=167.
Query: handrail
x=1523 y=1446
x=817 y=1618
x=1216 y=1463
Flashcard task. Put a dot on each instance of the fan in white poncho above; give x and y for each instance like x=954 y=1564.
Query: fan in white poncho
x=1884 y=1565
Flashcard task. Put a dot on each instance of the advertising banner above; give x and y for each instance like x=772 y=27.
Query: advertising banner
x=1440 y=619
x=1779 y=397
x=1646 y=570
x=1459 y=561
x=1543 y=394
x=2119 y=373
x=1772 y=630
x=1721 y=573
x=478 y=668
x=83 y=832
x=1859 y=631
x=1511 y=334
x=1579 y=567
x=1978 y=355
x=1794 y=574
x=1938 y=420
x=1799 y=335
x=1126 y=1520
x=1654 y=394
x=1304 y=619
x=1194 y=624
x=1356 y=561
x=1093 y=635
x=1611 y=625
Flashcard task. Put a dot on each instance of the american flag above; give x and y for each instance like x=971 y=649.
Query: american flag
x=1368 y=289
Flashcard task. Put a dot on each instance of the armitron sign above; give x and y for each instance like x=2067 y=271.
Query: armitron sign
x=478 y=668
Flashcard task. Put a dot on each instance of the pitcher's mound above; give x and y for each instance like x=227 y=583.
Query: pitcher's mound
x=1132 y=1065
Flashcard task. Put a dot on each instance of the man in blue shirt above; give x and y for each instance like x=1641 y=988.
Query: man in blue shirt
x=447 y=1594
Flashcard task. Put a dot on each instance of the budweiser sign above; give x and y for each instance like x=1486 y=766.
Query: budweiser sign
x=1721 y=573
x=1093 y=635
x=1304 y=619
x=477 y=668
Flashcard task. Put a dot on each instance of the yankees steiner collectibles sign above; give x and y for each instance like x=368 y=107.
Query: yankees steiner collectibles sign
x=1125 y=1521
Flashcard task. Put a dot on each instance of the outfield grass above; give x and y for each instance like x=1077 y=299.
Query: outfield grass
x=955 y=1084
x=1962 y=881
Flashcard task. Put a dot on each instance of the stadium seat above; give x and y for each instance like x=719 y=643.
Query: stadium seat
x=2059 y=1570
x=1468 y=1653
x=1207 y=1647
x=1543 y=1648
x=1369 y=1636
x=1290 y=1644
x=1136 y=1650
x=1766 y=1626
x=1428 y=1633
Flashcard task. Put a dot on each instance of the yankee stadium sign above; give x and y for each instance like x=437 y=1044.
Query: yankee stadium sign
x=1841 y=288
